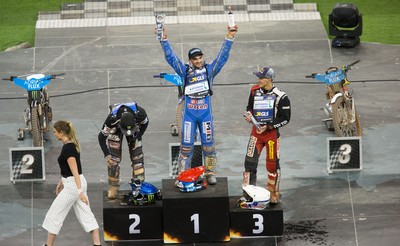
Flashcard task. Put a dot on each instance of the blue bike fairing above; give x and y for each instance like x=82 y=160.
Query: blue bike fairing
x=32 y=84
x=331 y=78
x=173 y=78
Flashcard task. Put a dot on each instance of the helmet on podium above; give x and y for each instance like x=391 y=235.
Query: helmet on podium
x=192 y=180
x=256 y=198
x=143 y=193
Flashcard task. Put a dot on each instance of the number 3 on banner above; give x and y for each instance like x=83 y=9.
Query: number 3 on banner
x=344 y=156
x=27 y=161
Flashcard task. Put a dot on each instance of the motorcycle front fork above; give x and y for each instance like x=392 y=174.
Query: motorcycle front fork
x=27 y=118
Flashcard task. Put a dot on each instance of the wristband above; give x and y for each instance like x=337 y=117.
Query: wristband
x=80 y=191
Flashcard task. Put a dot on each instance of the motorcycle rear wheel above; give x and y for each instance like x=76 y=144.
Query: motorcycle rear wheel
x=36 y=131
x=341 y=119
x=179 y=115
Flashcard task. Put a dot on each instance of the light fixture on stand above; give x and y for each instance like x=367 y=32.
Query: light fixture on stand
x=345 y=23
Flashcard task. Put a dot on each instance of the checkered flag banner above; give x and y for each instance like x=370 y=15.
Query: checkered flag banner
x=344 y=154
x=27 y=164
x=16 y=170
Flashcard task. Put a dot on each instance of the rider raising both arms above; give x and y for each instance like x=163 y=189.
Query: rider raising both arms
x=198 y=77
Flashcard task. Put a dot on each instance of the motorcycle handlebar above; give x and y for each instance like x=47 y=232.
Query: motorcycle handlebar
x=348 y=67
x=54 y=76
x=161 y=75
x=311 y=76
x=11 y=78
x=354 y=63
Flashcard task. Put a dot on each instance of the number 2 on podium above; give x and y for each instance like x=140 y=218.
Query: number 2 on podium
x=136 y=222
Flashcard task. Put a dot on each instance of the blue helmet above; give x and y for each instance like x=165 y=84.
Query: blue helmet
x=143 y=193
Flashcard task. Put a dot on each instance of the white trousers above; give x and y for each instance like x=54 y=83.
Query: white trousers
x=67 y=198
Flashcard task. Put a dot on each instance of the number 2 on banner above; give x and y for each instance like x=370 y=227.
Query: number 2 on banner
x=27 y=161
x=344 y=156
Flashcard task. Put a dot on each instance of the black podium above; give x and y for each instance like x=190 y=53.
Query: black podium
x=255 y=223
x=126 y=223
x=205 y=216
x=196 y=217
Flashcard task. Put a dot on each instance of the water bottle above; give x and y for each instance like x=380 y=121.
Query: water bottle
x=231 y=18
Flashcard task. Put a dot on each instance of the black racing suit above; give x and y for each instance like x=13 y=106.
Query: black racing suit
x=110 y=140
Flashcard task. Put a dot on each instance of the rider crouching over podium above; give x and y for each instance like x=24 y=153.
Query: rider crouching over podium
x=129 y=120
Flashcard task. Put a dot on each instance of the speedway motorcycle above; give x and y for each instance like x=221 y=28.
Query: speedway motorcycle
x=341 y=111
x=38 y=114
x=176 y=80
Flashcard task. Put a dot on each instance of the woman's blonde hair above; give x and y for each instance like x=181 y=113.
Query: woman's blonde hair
x=68 y=129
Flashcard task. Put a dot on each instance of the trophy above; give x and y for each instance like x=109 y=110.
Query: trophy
x=231 y=18
x=160 y=20
x=253 y=120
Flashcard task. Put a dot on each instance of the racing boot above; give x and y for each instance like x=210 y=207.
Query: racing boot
x=246 y=181
x=211 y=162
x=249 y=178
x=274 y=197
x=113 y=187
x=273 y=186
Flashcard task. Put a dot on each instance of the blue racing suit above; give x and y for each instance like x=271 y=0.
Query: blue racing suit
x=197 y=112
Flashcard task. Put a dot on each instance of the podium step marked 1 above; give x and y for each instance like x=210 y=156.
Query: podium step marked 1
x=196 y=217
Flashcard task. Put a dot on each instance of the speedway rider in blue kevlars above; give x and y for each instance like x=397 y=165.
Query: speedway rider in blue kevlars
x=198 y=77
x=129 y=120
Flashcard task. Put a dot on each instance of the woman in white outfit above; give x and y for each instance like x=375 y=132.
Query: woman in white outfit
x=71 y=189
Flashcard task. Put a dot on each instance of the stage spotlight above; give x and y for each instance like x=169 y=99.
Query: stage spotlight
x=345 y=23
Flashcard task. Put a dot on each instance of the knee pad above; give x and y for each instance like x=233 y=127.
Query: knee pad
x=186 y=150
x=138 y=171
x=114 y=145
